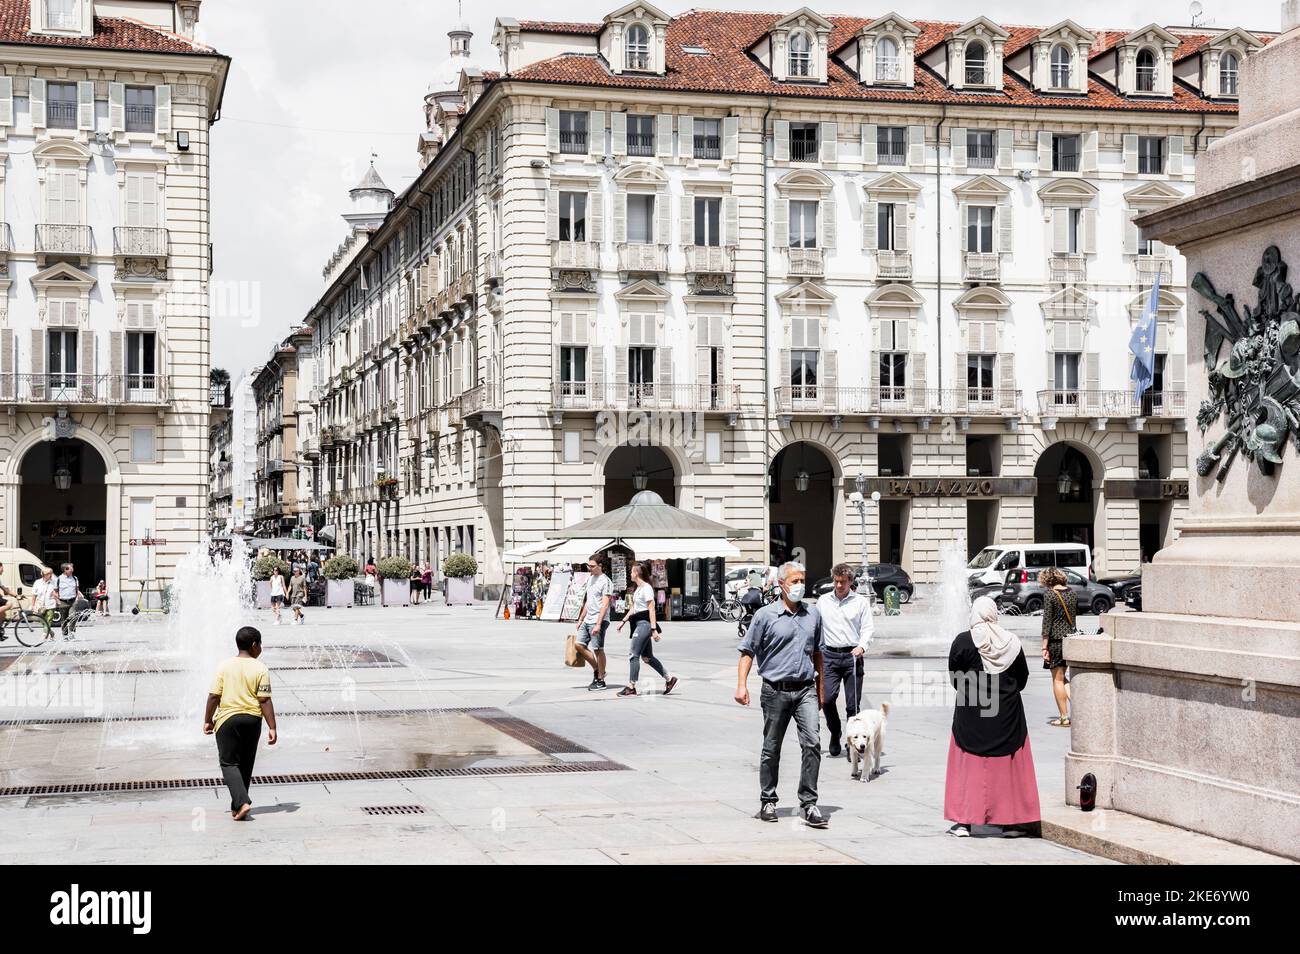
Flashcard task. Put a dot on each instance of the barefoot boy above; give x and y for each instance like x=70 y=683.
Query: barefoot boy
x=240 y=698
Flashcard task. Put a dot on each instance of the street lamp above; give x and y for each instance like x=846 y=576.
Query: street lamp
x=859 y=499
x=640 y=479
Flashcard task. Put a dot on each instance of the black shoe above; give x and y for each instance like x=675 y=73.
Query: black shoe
x=627 y=691
x=834 y=751
x=813 y=818
x=768 y=812
x=668 y=686
x=594 y=684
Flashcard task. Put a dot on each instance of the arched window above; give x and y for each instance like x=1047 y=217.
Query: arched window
x=1062 y=61
x=800 y=54
x=1229 y=66
x=887 y=59
x=976 y=64
x=637 y=47
x=1146 y=71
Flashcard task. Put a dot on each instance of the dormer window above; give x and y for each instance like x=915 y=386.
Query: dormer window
x=887 y=70
x=976 y=64
x=1146 y=71
x=1062 y=66
x=800 y=54
x=1229 y=67
x=62 y=14
x=637 y=46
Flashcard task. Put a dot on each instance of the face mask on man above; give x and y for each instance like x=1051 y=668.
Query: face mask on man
x=795 y=592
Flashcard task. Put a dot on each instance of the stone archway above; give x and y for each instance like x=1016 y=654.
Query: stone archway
x=63 y=507
x=631 y=468
x=1068 y=505
x=804 y=500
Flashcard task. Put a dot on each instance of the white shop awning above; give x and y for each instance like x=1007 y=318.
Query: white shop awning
x=680 y=548
x=526 y=551
x=555 y=551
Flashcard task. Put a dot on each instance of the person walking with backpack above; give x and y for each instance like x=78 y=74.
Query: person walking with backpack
x=1060 y=610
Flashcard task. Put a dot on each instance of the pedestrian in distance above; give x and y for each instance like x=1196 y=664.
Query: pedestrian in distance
x=297 y=595
x=785 y=641
x=279 y=593
x=238 y=702
x=847 y=628
x=1060 y=610
x=71 y=601
x=645 y=631
x=595 y=621
x=45 y=596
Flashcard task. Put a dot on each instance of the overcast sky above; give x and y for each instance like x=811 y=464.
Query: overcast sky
x=316 y=86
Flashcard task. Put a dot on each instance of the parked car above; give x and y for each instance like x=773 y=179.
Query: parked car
x=989 y=566
x=1133 y=597
x=1021 y=590
x=1121 y=583
x=882 y=575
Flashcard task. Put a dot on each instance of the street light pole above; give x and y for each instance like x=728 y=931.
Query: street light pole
x=859 y=499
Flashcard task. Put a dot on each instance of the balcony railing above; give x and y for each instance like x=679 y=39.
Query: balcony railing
x=139 y=118
x=894 y=266
x=1067 y=268
x=1069 y=402
x=637 y=257
x=465 y=286
x=138 y=241
x=707 y=147
x=1149 y=266
x=981 y=267
x=818 y=399
x=219 y=395
x=573 y=142
x=709 y=259
x=805 y=262
x=980 y=155
x=575 y=255
x=64 y=239
x=976 y=76
x=477 y=399
x=608 y=395
x=891 y=154
x=311 y=447
x=135 y=389
x=492 y=268
x=640 y=144
x=888 y=71
x=445 y=300
x=804 y=148
x=455 y=416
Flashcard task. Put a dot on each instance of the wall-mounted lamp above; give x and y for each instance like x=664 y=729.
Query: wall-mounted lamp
x=183 y=141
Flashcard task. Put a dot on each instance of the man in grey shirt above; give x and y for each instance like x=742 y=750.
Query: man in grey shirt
x=785 y=639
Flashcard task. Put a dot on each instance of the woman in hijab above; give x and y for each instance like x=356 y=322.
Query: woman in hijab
x=991 y=778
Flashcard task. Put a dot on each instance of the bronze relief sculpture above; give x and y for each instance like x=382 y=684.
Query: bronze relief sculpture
x=1256 y=387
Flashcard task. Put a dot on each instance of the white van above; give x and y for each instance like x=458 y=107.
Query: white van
x=22 y=569
x=990 y=565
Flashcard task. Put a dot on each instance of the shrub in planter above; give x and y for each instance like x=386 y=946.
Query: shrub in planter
x=339 y=567
x=264 y=567
x=459 y=565
x=459 y=568
x=395 y=568
x=395 y=572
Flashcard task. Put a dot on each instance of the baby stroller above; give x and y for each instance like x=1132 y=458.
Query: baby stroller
x=749 y=604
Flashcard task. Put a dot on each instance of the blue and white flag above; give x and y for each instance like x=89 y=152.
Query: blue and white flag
x=1143 y=344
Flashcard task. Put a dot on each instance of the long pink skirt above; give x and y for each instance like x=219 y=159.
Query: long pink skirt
x=1000 y=790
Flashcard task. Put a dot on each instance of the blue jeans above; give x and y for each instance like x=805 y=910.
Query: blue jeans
x=779 y=707
x=642 y=648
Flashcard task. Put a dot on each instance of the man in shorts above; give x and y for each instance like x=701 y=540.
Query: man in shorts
x=595 y=620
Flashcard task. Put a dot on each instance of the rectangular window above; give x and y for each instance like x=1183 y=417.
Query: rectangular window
x=803 y=142
x=708 y=220
x=573 y=447
x=62 y=198
x=893 y=376
x=139 y=109
x=979 y=377
x=573 y=369
x=141 y=365
x=803 y=373
x=1151 y=154
x=979 y=228
x=573 y=216
x=981 y=150
x=885 y=226
x=573 y=132
x=61 y=359
x=572 y=511
x=891 y=145
x=640 y=135
x=62 y=15
x=142 y=441
x=640 y=374
x=1066 y=376
x=713 y=447
x=640 y=219
x=1074 y=231
x=61 y=105
x=708 y=139
x=142 y=200
x=1065 y=153
x=803 y=224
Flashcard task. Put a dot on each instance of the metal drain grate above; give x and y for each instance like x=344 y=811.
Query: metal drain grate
x=314 y=714
x=394 y=809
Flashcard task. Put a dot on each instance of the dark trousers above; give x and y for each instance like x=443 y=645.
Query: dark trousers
x=841 y=667
x=236 y=750
x=69 y=609
x=779 y=707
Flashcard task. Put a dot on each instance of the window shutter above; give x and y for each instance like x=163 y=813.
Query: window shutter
x=86 y=362
x=1092 y=371
x=958 y=140
x=902 y=335
x=86 y=105
x=870 y=218
x=38 y=364
x=686 y=136
x=829 y=133
x=830 y=377
x=960 y=375
x=6 y=100
x=1130 y=153
x=785 y=368
x=781 y=222
x=1007 y=380
x=620 y=366
x=730 y=137
x=1060 y=231
x=963 y=225
x=596 y=133
x=918 y=382
x=1089 y=163
x=596 y=365
x=553 y=214
x=703 y=364
x=664 y=136
x=731 y=215
x=1006 y=226
x=1006 y=150
x=1044 y=152
x=1177 y=365
x=552 y=130
x=1089 y=224
x=688 y=219
x=665 y=358
x=916 y=146
x=620 y=217
x=826 y=212
x=663 y=218
x=566 y=328
x=780 y=139
x=903 y=226
x=1051 y=370
x=869 y=145
x=1130 y=232
x=116 y=348
x=1162 y=336
x=38 y=102
x=596 y=216
x=1175 y=155
x=618 y=136
x=162 y=102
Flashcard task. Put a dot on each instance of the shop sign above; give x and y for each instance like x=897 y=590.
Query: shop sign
x=963 y=487
x=1146 y=489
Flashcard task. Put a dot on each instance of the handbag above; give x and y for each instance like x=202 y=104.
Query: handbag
x=571 y=657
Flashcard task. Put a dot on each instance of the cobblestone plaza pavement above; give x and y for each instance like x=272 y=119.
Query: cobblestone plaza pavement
x=479 y=746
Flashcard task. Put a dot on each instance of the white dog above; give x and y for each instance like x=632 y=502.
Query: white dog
x=866 y=740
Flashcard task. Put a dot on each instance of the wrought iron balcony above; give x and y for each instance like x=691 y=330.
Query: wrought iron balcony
x=981 y=267
x=709 y=260
x=130 y=241
x=707 y=147
x=144 y=390
x=609 y=395
x=575 y=255
x=893 y=266
x=638 y=257
x=64 y=240
x=1072 y=402
x=805 y=262
x=1066 y=268
x=1149 y=266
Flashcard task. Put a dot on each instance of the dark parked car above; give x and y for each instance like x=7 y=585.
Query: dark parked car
x=882 y=575
x=1021 y=590
x=1121 y=583
x=1133 y=597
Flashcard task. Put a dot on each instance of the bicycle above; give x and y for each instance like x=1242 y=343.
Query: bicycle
x=30 y=629
x=728 y=609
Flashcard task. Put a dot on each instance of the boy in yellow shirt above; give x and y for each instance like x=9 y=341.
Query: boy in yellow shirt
x=239 y=699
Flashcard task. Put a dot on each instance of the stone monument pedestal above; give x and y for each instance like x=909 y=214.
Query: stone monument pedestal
x=1189 y=713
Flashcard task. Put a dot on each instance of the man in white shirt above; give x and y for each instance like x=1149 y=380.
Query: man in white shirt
x=595 y=620
x=70 y=599
x=847 y=629
x=45 y=595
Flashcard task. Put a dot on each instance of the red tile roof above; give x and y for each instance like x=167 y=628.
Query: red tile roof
x=729 y=67
x=111 y=33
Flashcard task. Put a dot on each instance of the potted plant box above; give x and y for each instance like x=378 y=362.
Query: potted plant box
x=338 y=572
x=395 y=574
x=459 y=570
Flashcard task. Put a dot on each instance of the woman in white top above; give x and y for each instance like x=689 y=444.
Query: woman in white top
x=45 y=596
x=278 y=593
x=645 y=631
